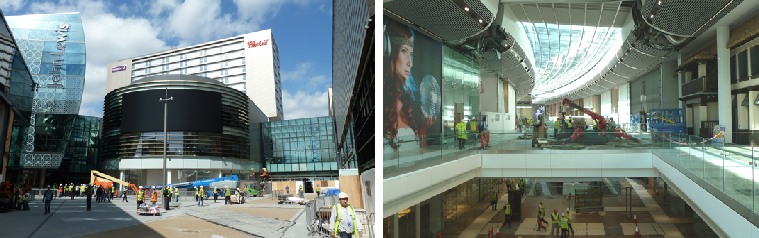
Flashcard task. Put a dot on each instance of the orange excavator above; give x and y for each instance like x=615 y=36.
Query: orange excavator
x=104 y=180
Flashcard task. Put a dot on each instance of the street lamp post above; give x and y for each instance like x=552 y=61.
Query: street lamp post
x=165 y=133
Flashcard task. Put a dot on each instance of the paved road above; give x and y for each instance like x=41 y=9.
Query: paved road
x=69 y=218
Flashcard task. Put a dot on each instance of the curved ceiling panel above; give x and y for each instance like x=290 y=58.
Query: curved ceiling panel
x=443 y=18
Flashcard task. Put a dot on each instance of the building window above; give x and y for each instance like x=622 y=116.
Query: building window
x=165 y=67
x=164 y=60
x=182 y=56
x=183 y=71
x=203 y=67
x=147 y=64
x=203 y=60
x=225 y=72
x=203 y=52
x=225 y=64
x=183 y=64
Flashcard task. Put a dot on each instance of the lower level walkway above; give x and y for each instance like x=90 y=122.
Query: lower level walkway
x=652 y=218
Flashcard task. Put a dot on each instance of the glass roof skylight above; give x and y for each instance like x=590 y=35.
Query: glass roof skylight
x=568 y=56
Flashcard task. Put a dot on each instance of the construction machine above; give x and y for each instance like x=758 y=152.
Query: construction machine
x=595 y=138
x=104 y=180
x=209 y=184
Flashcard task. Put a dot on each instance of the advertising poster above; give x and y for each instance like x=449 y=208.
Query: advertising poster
x=412 y=86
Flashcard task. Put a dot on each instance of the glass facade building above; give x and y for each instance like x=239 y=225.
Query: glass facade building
x=16 y=92
x=300 y=148
x=353 y=82
x=54 y=50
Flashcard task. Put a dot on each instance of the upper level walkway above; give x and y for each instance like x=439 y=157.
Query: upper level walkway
x=718 y=181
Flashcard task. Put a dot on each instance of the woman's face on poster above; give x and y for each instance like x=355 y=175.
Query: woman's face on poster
x=404 y=61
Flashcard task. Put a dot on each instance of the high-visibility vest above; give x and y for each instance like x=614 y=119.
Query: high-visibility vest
x=472 y=126
x=141 y=196
x=202 y=192
x=154 y=196
x=196 y=192
x=227 y=193
x=564 y=224
x=555 y=218
x=113 y=190
x=337 y=219
x=541 y=212
x=461 y=130
x=508 y=209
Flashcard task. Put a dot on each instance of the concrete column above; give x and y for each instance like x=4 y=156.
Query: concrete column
x=168 y=176
x=418 y=222
x=121 y=177
x=395 y=225
x=723 y=82
x=680 y=81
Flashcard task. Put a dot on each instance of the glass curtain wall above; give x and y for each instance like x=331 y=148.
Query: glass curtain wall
x=299 y=145
x=461 y=89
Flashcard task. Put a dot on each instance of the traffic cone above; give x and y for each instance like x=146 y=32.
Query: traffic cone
x=637 y=232
x=498 y=233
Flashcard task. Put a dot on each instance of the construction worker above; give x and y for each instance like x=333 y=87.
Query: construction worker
x=541 y=217
x=554 y=223
x=48 y=198
x=507 y=212
x=301 y=191
x=227 y=195
x=176 y=194
x=88 y=193
x=564 y=223
x=556 y=127
x=344 y=223
x=154 y=196
x=484 y=138
x=215 y=194
x=140 y=197
x=124 y=196
x=166 y=197
x=317 y=190
x=71 y=191
x=113 y=191
x=196 y=194
x=493 y=200
x=60 y=190
x=461 y=134
x=202 y=194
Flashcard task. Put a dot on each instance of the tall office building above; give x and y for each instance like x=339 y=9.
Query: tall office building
x=353 y=102
x=249 y=63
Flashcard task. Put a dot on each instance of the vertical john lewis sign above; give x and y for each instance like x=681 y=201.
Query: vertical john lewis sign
x=58 y=62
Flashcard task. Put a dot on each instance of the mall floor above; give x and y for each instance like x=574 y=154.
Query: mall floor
x=661 y=214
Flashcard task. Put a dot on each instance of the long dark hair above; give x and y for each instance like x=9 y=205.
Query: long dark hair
x=394 y=90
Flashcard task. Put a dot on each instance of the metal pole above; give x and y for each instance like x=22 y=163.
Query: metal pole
x=165 y=133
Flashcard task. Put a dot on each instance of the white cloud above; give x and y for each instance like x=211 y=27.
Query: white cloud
x=11 y=5
x=108 y=38
x=301 y=70
x=304 y=104
x=198 y=20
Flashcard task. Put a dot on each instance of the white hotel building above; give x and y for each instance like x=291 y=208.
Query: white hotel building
x=249 y=63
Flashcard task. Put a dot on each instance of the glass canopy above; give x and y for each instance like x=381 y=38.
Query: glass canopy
x=568 y=56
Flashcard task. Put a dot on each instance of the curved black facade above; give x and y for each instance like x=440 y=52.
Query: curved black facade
x=205 y=118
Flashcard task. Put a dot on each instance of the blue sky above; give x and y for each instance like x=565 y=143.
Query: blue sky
x=117 y=30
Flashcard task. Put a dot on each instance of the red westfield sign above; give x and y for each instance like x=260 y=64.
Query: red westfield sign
x=252 y=44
